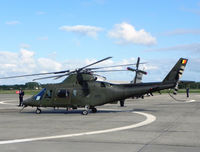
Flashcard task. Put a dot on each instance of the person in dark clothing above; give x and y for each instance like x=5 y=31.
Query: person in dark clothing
x=187 y=92
x=21 y=95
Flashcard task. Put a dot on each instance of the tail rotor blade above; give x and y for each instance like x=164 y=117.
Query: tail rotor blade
x=138 y=62
x=131 y=69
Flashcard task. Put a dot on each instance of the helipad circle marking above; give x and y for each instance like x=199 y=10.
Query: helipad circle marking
x=6 y=102
x=189 y=101
x=149 y=119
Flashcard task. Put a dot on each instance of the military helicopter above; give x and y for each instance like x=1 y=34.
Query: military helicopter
x=82 y=90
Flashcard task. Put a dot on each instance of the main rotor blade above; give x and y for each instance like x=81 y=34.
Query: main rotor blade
x=109 y=71
x=93 y=63
x=114 y=66
x=29 y=75
x=55 y=76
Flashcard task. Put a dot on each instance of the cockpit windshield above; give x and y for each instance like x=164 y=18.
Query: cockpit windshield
x=40 y=94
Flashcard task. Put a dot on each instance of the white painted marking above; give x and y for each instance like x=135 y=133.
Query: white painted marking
x=149 y=119
x=6 y=102
x=189 y=101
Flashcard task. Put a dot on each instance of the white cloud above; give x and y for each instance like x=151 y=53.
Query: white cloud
x=27 y=58
x=15 y=62
x=24 y=62
x=127 y=34
x=13 y=22
x=49 y=64
x=90 y=31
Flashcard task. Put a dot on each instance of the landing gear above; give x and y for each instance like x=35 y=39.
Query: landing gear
x=122 y=103
x=85 y=112
x=38 y=111
x=94 y=110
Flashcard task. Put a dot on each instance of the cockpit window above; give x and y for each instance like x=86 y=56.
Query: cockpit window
x=40 y=94
x=49 y=94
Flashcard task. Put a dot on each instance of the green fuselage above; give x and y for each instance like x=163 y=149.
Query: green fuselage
x=89 y=92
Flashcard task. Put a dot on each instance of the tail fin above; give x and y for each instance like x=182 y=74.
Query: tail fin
x=175 y=74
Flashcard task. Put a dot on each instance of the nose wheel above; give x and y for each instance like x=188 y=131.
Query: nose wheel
x=86 y=110
x=38 y=111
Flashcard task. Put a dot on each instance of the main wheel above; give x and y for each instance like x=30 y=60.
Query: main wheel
x=84 y=112
x=122 y=103
x=94 y=110
x=38 y=111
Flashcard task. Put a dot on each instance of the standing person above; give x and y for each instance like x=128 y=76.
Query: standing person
x=21 y=95
x=187 y=92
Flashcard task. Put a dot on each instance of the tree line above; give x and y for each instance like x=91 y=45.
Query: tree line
x=26 y=86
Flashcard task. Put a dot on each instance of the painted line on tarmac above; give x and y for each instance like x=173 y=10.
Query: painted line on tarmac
x=6 y=102
x=189 y=101
x=149 y=119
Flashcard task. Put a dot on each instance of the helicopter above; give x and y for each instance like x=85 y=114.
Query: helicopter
x=81 y=89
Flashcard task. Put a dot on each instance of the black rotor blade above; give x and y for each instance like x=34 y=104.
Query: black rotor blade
x=131 y=69
x=93 y=63
x=109 y=71
x=55 y=76
x=138 y=62
x=114 y=66
x=29 y=75
x=143 y=72
x=135 y=70
x=61 y=72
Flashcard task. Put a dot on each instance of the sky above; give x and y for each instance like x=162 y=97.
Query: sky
x=53 y=35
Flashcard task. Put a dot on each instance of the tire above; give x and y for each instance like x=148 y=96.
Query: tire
x=122 y=103
x=94 y=110
x=84 y=112
x=38 y=111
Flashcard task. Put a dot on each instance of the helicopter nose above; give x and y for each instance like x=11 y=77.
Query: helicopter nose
x=27 y=102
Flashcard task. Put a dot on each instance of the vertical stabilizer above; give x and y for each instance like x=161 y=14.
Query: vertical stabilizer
x=175 y=74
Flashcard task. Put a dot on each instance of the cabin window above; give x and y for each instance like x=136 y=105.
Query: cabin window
x=74 y=92
x=49 y=94
x=62 y=93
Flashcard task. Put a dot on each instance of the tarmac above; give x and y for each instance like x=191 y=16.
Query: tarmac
x=153 y=124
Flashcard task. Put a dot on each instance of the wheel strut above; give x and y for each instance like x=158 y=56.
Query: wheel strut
x=38 y=111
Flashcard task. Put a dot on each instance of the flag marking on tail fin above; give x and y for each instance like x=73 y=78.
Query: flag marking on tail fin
x=184 y=61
